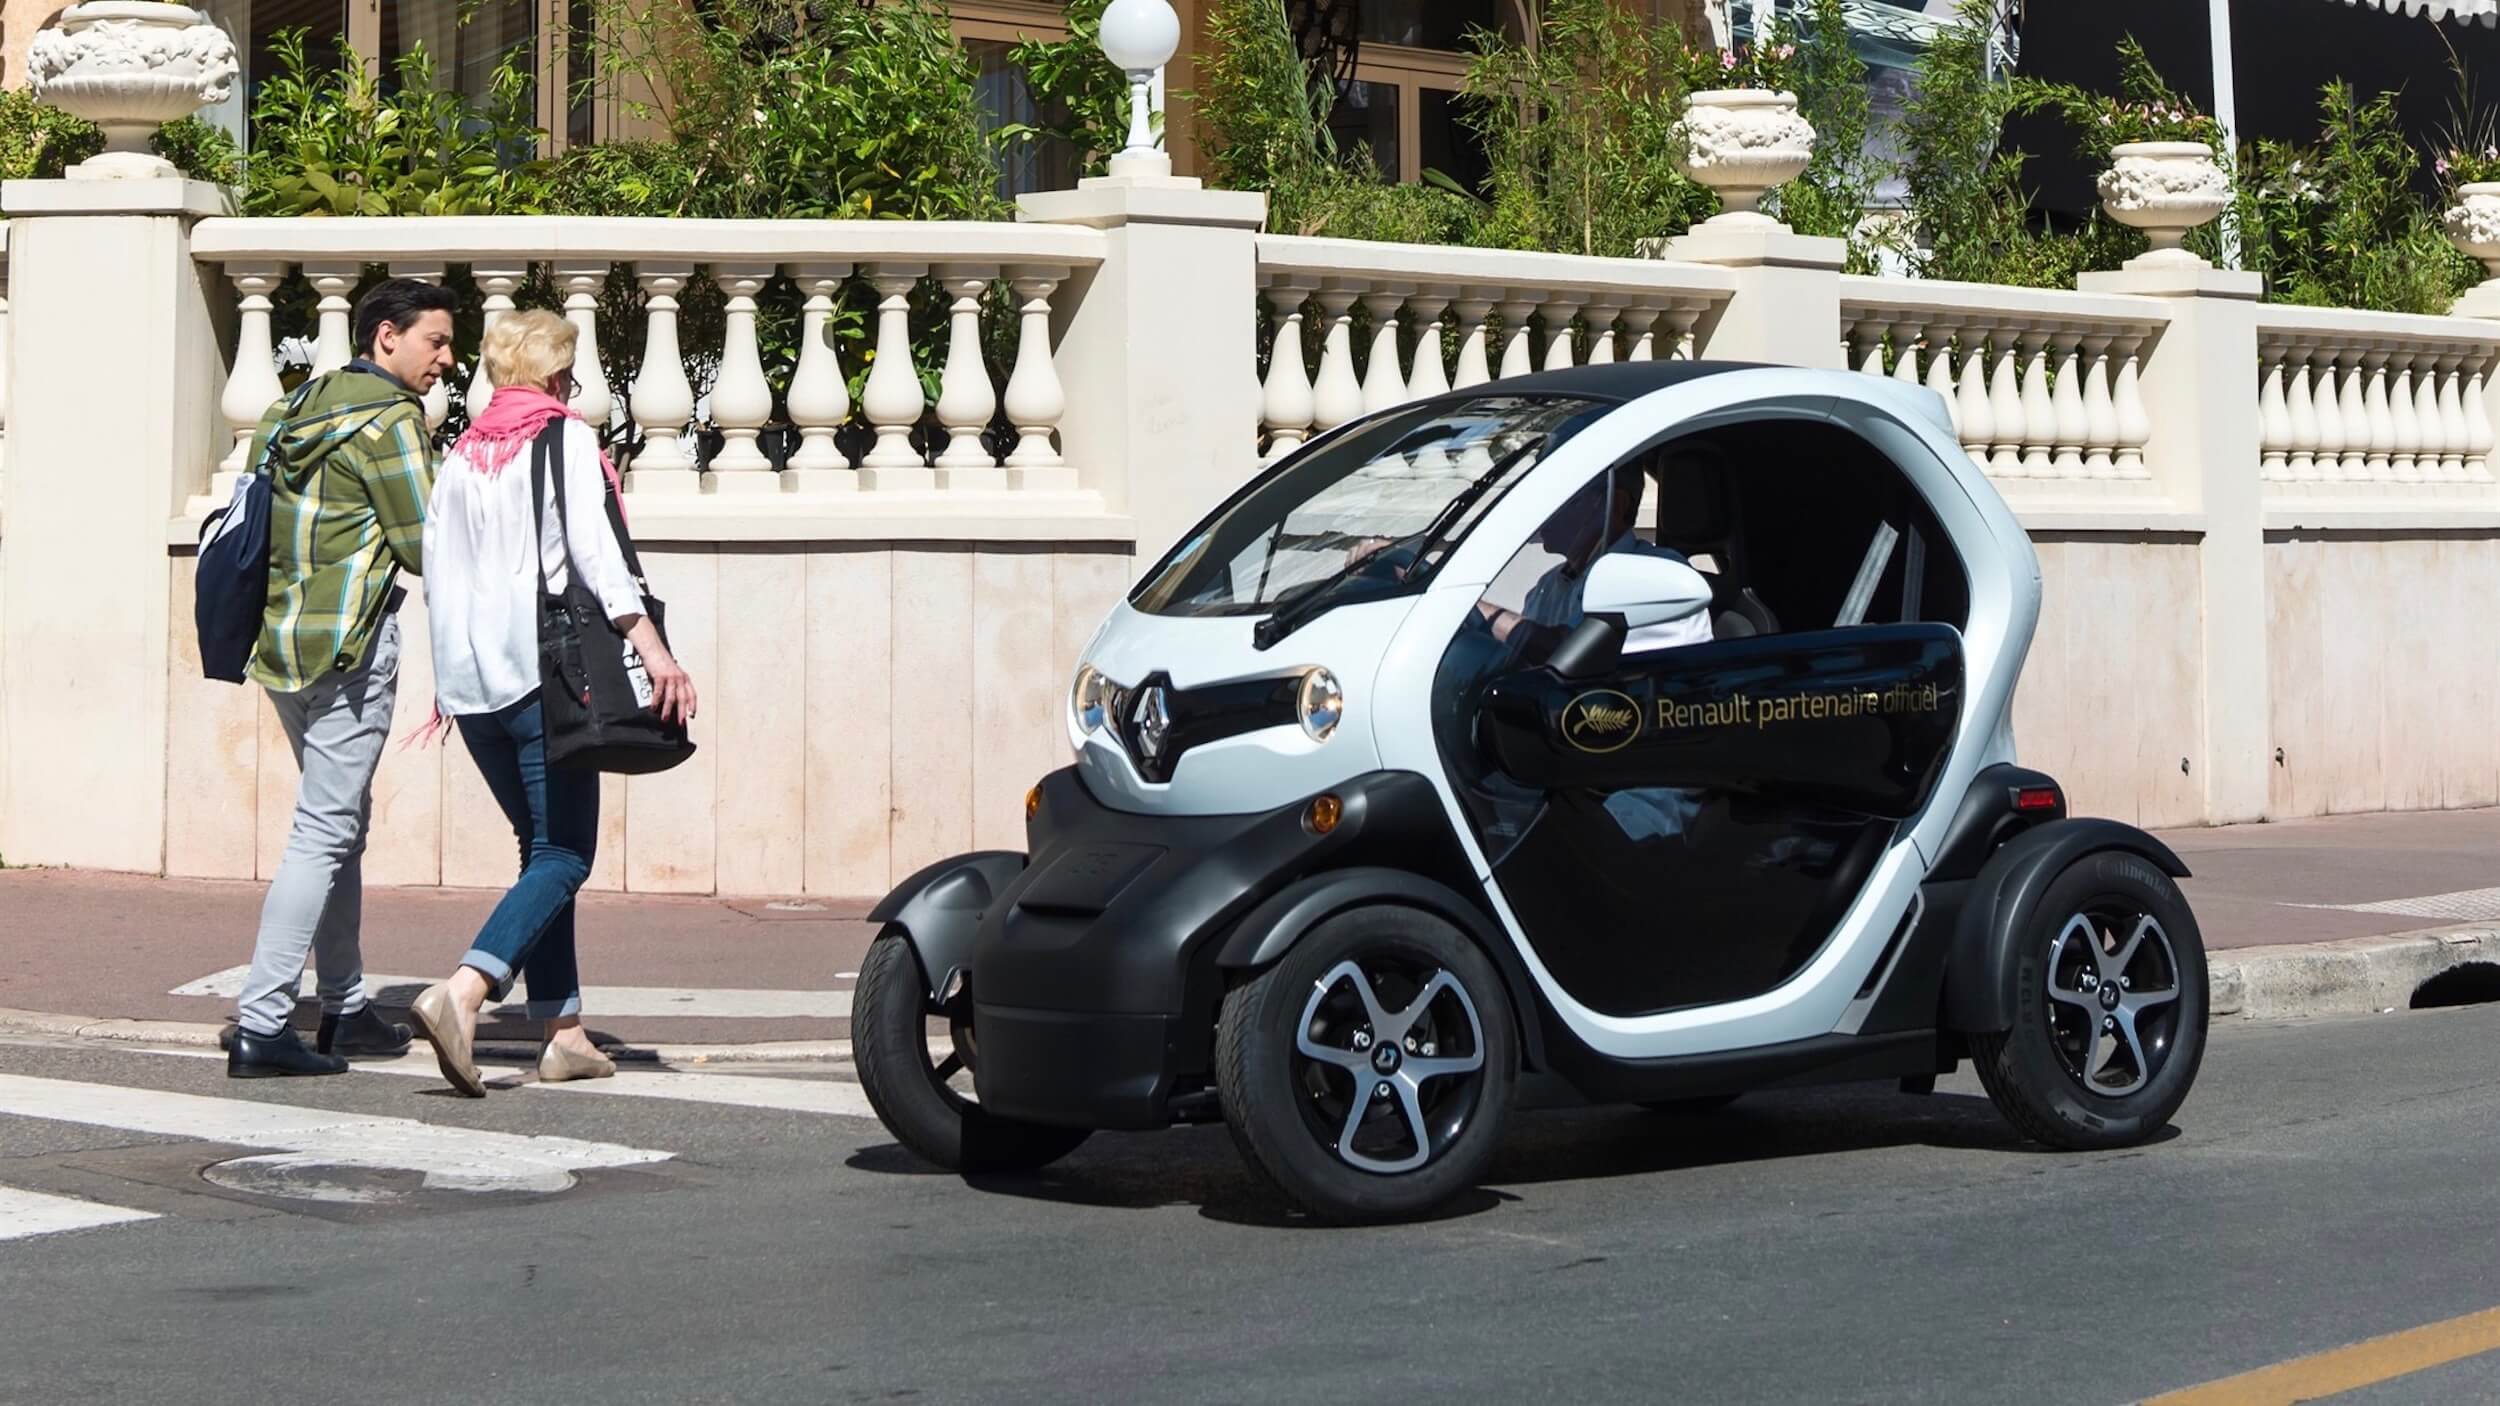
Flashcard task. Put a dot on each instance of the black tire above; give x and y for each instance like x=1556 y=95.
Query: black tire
x=1288 y=1110
x=2042 y=1073
x=1691 y=1107
x=890 y=1011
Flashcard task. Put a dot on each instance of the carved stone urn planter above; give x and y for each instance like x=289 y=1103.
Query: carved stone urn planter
x=1744 y=143
x=2473 y=224
x=130 y=67
x=2164 y=189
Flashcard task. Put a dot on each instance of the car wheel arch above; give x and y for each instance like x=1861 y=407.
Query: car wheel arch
x=1979 y=994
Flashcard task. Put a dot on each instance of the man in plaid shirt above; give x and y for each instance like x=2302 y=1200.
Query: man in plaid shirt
x=351 y=465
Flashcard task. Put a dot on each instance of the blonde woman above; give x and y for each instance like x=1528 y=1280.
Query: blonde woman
x=488 y=550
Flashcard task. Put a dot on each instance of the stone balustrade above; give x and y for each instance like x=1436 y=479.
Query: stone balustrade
x=895 y=454
x=2041 y=384
x=1434 y=313
x=2362 y=404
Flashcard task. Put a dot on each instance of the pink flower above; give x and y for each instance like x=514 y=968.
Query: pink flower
x=2108 y=121
x=1787 y=51
x=2491 y=153
x=1727 y=61
x=2440 y=166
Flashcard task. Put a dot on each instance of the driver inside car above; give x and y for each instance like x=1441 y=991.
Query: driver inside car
x=1595 y=522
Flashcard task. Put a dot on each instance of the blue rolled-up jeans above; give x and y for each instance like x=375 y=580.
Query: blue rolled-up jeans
x=555 y=813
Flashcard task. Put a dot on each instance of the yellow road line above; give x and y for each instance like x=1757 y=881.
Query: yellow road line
x=2343 y=1369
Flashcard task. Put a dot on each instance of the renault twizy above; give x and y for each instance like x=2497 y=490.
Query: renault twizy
x=1645 y=728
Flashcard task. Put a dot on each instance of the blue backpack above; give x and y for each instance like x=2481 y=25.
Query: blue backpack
x=231 y=578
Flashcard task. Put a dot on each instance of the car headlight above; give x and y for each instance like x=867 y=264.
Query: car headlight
x=1089 y=700
x=1319 y=703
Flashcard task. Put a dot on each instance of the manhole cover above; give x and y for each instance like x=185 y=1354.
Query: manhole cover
x=300 y=1176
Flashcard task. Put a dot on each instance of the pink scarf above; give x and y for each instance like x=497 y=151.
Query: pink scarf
x=514 y=416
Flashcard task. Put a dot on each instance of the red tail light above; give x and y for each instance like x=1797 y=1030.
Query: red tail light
x=2031 y=800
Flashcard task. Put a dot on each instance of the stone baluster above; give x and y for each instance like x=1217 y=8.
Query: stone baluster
x=437 y=397
x=820 y=396
x=741 y=400
x=336 y=345
x=1976 y=412
x=1518 y=351
x=498 y=282
x=1036 y=401
x=966 y=401
x=2005 y=403
x=1940 y=374
x=1430 y=375
x=1559 y=313
x=1602 y=316
x=2302 y=412
x=2100 y=411
x=2478 y=430
x=1640 y=324
x=2405 y=444
x=1384 y=381
x=592 y=398
x=2426 y=419
x=2039 y=407
x=2329 y=402
x=1905 y=337
x=1866 y=345
x=2453 y=434
x=2066 y=407
x=2274 y=422
x=1286 y=406
x=1685 y=318
x=892 y=396
x=1337 y=396
x=2382 y=425
x=1474 y=367
x=253 y=385
x=2135 y=427
x=2356 y=412
x=662 y=399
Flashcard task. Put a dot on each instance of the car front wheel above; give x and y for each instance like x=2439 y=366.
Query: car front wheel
x=1368 y=1074
x=927 y=1102
x=2110 y=1013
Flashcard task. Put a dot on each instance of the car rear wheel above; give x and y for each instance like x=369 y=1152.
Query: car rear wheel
x=1368 y=1074
x=925 y=1100
x=2110 y=1013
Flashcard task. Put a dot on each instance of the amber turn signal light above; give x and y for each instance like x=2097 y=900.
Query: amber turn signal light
x=1324 y=814
x=1032 y=803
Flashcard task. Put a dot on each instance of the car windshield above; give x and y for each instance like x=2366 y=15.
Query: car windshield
x=1366 y=516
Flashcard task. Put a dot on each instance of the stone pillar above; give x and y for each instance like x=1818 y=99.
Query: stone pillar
x=2200 y=390
x=114 y=425
x=1787 y=305
x=1151 y=342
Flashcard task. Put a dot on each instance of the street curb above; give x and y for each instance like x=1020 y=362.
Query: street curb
x=2352 y=976
x=203 y=1035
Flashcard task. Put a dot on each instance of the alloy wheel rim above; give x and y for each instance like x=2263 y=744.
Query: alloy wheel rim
x=1389 y=1060
x=2113 y=988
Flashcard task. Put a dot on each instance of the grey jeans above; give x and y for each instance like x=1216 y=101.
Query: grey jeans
x=337 y=728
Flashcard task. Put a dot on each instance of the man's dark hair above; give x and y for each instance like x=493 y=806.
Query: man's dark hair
x=399 y=302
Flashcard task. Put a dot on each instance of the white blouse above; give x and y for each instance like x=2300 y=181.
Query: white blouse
x=482 y=578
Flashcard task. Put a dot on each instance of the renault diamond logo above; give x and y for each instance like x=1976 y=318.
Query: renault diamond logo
x=1600 y=720
x=1154 y=723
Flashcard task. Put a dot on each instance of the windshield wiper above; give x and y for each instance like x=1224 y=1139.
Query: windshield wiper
x=1300 y=609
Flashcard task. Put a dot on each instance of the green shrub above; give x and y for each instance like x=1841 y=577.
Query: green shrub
x=2335 y=223
x=39 y=143
x=336 y=141
x=1087 y=99
x=1829 y=78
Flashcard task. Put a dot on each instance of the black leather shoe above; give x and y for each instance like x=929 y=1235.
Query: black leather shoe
x=363 y=1035
x=277 y=1056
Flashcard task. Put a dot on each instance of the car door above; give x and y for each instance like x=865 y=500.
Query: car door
x=1686 y=826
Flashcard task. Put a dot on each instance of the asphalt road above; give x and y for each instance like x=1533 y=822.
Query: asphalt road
x=2327 y=1182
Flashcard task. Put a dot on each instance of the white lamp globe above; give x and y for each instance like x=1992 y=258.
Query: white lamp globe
x=1139 y=36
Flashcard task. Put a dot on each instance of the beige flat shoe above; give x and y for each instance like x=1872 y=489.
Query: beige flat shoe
x=438 y=1024
x=556 y=1064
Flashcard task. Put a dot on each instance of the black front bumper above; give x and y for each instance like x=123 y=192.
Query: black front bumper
x=1095 y=985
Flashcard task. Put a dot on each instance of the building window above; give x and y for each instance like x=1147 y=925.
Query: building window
x=1425 y=24
x=466 y=41
x=581 y=73
x=1006 y=98
x=1365 y=115
x=1447 y=143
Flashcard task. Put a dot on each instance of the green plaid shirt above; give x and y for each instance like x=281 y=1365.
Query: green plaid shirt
x=350 y=469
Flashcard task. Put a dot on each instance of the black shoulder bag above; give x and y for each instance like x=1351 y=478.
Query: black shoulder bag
x=596 y=696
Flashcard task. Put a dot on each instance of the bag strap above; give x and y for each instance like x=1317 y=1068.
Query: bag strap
x=542 y=455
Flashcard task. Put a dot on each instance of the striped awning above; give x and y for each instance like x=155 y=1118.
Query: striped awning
x=2462 y=11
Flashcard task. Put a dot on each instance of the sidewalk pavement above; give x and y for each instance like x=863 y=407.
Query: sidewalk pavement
x=2306 y=917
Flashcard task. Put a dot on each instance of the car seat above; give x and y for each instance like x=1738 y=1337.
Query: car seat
x=1694 y=517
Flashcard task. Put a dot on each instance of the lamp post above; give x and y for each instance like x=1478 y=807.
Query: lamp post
x=1140 y=37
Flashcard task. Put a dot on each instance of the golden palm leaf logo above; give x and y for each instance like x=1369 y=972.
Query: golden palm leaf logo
x=1601 y=720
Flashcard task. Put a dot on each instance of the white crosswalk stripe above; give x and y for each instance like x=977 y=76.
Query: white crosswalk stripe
x=29 y=1213
x=838 y=1097
x=611 y=1002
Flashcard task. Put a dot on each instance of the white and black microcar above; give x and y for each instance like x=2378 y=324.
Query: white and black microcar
x=1641 y=727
